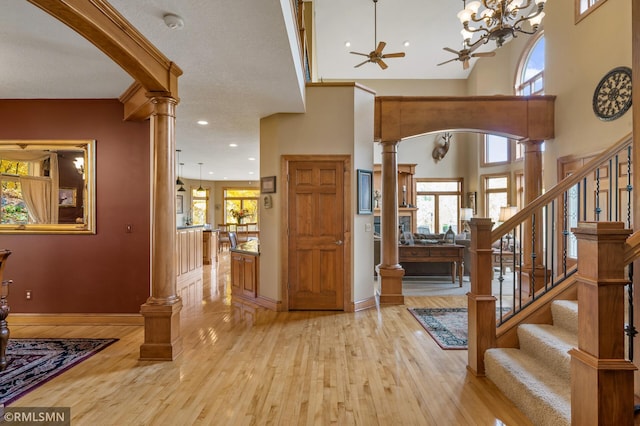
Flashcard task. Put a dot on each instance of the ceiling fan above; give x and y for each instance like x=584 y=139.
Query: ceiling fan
x=376 y=56
x=465 y=55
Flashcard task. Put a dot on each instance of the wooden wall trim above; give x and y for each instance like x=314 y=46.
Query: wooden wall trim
x=102 y=25
x=361 y=305
x=518 y=117
x=76 y=319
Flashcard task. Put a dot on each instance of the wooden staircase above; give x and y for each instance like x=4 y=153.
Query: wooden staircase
x=537 y=375
x=559 y=371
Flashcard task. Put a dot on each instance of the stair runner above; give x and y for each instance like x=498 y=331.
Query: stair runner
x=537 y=377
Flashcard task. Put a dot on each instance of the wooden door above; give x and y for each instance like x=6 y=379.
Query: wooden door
x=316 y=235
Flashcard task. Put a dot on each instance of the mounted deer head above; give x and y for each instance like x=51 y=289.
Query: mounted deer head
x=441 y=149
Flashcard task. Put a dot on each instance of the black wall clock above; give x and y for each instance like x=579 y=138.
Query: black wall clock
x=612 y=97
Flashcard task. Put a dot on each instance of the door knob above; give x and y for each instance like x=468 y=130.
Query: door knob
x=339 y=242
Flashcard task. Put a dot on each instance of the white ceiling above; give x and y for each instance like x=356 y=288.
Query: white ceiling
x=237 y=60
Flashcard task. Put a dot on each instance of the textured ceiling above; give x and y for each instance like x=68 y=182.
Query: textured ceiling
x=238 y=62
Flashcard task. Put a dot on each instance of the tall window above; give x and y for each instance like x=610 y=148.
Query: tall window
x=241 y=205
x=199 y=206
x=496 y=194
x=13 y=209
x=497 y=150
x=585 y=7
x=531 y=69
x=438 y=202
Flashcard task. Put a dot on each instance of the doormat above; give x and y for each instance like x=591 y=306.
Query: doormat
x=447 y=326
x=33 y=362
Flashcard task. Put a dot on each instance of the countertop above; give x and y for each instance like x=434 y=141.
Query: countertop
x=249 y=247
x=189 y=227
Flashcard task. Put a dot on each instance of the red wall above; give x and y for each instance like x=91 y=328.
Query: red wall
x=103 y=273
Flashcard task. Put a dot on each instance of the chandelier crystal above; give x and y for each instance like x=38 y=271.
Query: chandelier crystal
x=498 y=20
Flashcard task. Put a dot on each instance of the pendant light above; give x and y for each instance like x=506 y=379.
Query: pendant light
x=181 y=189
x=200 y=188
x=178 y=181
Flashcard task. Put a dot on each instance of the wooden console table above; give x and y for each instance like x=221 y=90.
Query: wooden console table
x=452 y=253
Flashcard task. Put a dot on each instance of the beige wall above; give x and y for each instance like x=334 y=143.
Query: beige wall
x=577 y=57
x=328 y=127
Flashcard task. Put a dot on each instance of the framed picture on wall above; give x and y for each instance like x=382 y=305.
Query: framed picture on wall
x=268 y=185
x=67 y=197
x=472 y=201
x=365 y=192
x=179 y=204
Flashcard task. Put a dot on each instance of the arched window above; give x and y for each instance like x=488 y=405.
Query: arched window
x=530 y=77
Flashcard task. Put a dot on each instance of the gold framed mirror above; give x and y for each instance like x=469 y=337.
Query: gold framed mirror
x=47 y=186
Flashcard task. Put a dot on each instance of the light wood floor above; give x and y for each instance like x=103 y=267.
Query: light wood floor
x=244 y=367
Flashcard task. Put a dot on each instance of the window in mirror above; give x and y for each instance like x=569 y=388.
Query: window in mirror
x=46 y=186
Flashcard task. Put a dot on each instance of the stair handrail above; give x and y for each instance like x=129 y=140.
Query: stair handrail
x=632 y=248
x=558 y=189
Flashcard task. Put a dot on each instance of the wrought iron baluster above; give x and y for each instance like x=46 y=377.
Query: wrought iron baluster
x=532 y=277
x=565 y=231
x=630 y=329
x=597 y=209
x=584 y=200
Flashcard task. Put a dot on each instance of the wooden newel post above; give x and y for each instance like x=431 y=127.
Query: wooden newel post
x=601 y=378
x=480 y=301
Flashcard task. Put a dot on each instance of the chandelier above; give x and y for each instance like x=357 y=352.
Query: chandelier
x=499 y=19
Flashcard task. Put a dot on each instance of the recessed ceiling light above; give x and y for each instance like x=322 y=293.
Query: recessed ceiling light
x=233 y=145
x=406 y=43
x=250 y=173
x=210 y=173
x=203 y=122
x=252 y=158
x=347 y=44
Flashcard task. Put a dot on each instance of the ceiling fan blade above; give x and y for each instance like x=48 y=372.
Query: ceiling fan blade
x=483 y=54
x=381 y=46
x=362 y=63
x=382 y=64
x=394 y=55
x=448 y=49
x=446 y=62
x=358 y=53
x=465 y=64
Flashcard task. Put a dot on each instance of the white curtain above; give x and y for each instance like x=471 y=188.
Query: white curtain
x=36 y=192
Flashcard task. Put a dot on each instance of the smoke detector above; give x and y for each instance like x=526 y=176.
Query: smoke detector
x=173 y=21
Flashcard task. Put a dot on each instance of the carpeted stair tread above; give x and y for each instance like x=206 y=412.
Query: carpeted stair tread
x=565 y=314
x=539 y=393
x=550 y=345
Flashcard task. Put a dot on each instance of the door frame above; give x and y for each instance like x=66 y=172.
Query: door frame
x=347 y=215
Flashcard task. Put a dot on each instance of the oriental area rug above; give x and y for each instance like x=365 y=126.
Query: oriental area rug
x=447 y=326
x=33 y=362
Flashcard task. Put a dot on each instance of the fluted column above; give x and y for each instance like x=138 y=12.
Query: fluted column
x=390 y=271
x=533 y=268
x=162 y=340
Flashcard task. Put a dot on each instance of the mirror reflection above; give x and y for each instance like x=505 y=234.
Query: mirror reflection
x=46 y=186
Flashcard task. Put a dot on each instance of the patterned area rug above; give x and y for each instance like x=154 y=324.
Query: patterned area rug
x=447 y=326
x=33 y=362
